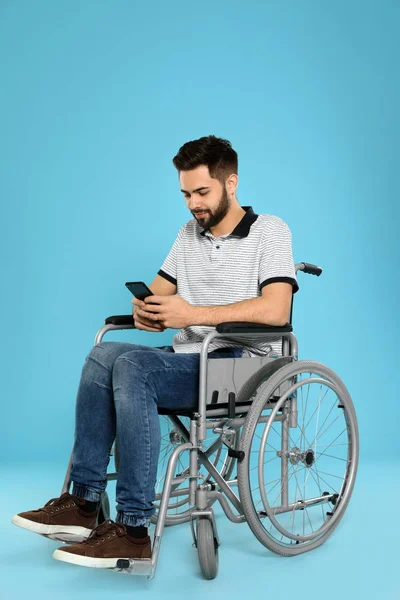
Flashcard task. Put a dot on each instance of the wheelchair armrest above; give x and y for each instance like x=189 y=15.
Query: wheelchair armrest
x=230 y=327
x=121 y=320
x=240 y=327
x=112 y=323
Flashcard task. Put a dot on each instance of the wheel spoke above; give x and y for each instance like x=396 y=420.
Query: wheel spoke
x=320 y=492
x=325 y=430
x=302 y=500
x=327 y=448
x=315 y=410
x=326 y=483
x=331 y=475
x=330 y=456
x=267 y=461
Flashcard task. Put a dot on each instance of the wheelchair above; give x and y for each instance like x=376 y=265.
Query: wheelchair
x=274 y=441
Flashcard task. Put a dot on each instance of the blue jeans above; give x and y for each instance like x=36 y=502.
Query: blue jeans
x=121 y=387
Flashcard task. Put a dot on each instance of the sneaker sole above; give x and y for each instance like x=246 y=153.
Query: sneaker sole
x=87 y=561
x=71 y=531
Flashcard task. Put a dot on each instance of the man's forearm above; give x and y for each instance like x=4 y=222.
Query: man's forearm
x=255 y=310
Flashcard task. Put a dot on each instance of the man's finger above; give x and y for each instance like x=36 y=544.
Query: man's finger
x=145 y=314
x=137 y=302
x=152 y=322
x=145 y=321
x=149 y=326
x=146 y=328
x=154 y=299
x=151 y=308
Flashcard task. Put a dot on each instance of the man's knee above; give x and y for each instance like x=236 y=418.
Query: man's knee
x=101 y=353
x=142 y=359
x=106 y=353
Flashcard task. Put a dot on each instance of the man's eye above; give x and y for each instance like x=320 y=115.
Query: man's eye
x=203 y=193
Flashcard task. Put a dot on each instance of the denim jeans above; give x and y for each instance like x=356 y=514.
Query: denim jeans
x=120 y=389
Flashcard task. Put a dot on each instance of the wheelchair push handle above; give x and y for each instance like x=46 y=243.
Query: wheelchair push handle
x=308 y=268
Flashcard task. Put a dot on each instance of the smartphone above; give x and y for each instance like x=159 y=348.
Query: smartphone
x=139 y=289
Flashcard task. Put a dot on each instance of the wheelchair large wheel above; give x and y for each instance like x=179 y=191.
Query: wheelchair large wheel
x=300 y=441
x=207 y=547
x=175 y=432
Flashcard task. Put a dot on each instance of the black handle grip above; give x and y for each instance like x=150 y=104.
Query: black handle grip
x=311 y=269
x=214 y=397
x=121 y=320
x=239 y=454
x=123 y=563
x=239 y=327
x=231 y=405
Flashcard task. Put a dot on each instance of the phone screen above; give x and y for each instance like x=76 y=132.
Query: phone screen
x=139 y=289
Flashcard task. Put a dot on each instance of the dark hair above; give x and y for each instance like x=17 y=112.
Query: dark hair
x=216 y=153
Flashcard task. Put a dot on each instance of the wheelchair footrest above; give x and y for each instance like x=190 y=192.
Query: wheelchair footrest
x=139 y=566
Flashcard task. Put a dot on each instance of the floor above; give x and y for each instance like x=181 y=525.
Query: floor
x=360 y=560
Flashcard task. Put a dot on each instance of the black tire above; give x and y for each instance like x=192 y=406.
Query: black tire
x=207 y=548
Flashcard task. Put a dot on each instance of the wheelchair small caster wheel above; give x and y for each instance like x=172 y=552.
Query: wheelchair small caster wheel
x=207 y=547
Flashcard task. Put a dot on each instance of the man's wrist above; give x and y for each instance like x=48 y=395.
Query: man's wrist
x=207 y=316
x=197 y=315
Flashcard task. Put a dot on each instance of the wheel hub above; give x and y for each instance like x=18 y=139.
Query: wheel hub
x=175 y=437
x=307 y=457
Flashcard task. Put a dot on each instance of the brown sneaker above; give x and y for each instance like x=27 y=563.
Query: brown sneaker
x=60 y=518
x=106 y=545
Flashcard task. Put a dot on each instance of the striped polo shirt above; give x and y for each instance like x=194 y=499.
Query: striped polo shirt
x=211 y=271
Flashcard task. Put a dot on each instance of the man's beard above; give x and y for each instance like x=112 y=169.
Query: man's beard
x=212 y=219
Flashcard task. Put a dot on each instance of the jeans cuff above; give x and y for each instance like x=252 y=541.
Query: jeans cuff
x=132 y=520
x=83 y=491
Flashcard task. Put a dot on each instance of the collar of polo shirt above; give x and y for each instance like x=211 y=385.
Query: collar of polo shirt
x=242 y=229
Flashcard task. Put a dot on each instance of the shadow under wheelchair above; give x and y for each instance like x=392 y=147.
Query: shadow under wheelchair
x=274 y=441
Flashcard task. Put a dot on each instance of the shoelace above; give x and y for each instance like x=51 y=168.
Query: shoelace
x=106 y=530
x=64 y=501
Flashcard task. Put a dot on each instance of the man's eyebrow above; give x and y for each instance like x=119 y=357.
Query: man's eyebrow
x=204 y=187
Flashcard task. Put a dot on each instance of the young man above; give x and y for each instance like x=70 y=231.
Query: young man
x=227 y=264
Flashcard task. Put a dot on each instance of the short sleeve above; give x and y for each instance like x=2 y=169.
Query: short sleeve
x=169 y=268
x=276 y=257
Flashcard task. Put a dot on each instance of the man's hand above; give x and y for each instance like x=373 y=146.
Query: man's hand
x=168 y=311
x=143 y=322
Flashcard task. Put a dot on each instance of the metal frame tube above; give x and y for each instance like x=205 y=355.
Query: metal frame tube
x=300 y=504
x=103 y=330
x=164 y=503
x=193 y=463
x=226 y=507
x=284 y=463
x=67 y=482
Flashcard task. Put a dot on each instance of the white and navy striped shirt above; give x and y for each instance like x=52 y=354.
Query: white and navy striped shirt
x=210 y=271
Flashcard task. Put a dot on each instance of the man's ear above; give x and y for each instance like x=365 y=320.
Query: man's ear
x=232 y=183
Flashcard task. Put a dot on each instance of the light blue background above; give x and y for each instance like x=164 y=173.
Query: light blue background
x=97 y=97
